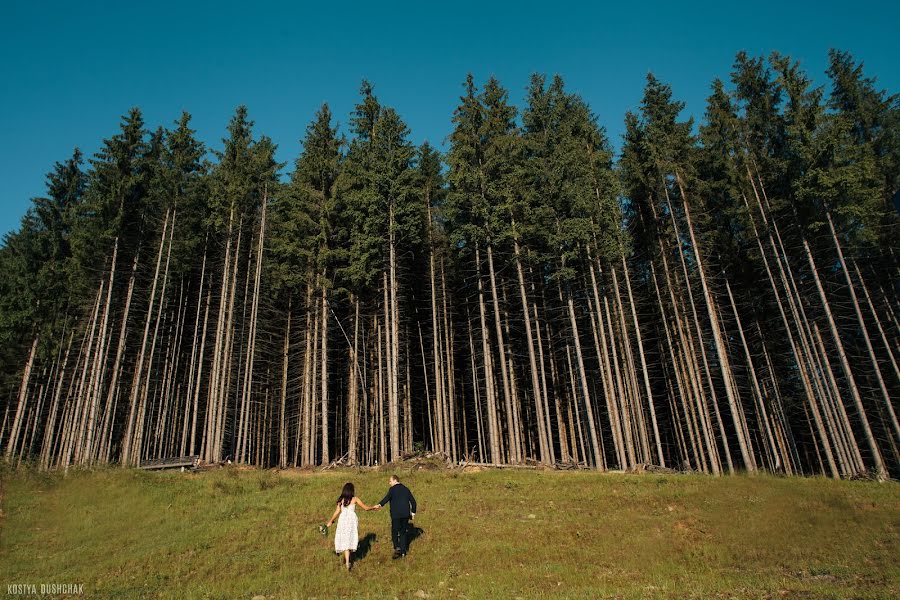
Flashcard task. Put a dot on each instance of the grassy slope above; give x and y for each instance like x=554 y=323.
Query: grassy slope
x=235 y=534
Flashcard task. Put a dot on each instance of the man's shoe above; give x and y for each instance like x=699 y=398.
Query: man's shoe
x=396 y=554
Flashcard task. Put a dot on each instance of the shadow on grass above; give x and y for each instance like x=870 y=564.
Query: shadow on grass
x=412 y=534
x=363 y=548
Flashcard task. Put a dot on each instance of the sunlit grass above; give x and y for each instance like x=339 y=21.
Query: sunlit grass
x=493 y=534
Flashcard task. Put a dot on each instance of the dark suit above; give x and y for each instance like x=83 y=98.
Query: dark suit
x=403 y=505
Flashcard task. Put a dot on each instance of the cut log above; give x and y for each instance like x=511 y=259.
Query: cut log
x=171 y=462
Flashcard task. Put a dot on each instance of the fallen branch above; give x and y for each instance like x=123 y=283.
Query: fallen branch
x=336 y=463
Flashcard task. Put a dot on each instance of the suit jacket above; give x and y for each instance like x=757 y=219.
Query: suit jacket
x=402 y=502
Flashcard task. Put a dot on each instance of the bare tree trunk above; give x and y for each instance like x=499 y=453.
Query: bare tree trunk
x=753 y=379
x=881 y=333
x=227 y=353
x=324 y=375
x=545 y=415
x=535 y=383
x=801 y=354
x=383 y=386
x=512 y=435
x=394 y=335
x=733 y=401
x=251 y=354
x=314 y=391
x=493 y=432
x=208 y=443
x=599 y=330
x=693 y=365
x=425 y=373
x=880 y=469
x=307 y=383
x=74 y=433
x=572 y=406
x=449 y=371
x=442 y=428
x=23 y=396
x=100 y=364
x=389 y=374
x=50 y=426
x=680 y=375
x=804 y=335
x=845 y=268
x=355 y=382
x=475 y=387
x=195 y=388
x=589 y=409
x=637 y=329
x=136 y=383
x=282 y=421
x=631 y=387
x=138 y=438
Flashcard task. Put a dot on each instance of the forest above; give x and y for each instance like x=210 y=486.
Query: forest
x=718 y=296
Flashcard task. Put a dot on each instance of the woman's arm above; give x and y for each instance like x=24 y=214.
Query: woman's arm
x=337 y=511
x=361 y=503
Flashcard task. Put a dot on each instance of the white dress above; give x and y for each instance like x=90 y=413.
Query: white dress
x=346 y=534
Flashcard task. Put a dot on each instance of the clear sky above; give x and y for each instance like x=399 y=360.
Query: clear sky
x=69 y=70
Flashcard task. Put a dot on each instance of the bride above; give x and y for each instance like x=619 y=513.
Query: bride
x=346 y=536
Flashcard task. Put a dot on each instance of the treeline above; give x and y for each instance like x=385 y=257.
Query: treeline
x=720 y=298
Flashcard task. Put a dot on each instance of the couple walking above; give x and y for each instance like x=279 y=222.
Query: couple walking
x=346 y=535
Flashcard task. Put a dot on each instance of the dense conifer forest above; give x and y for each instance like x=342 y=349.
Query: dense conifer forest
x=722 y=296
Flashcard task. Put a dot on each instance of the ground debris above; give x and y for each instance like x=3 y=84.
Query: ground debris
x=651 y=468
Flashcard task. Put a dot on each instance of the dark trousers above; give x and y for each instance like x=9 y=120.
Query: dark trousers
x=399 y=534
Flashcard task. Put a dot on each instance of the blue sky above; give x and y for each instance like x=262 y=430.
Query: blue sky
x=69 y=70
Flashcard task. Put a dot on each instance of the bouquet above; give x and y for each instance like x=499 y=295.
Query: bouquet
x=323 y=529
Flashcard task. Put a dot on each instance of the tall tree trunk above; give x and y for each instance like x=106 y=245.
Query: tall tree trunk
x=493 y=433
x=476 y=392
x=324 y=376
x=880 y=469
x=845 y=268
x=442 y=438
x=20 y=406
x=195 y=388
x=512 y=434
x=543 y=440
x=800 y=351
x=599 y=463
x=138 y=373
x=752 y=372
x=637 y=329
x=449 y=388
x=50 y=426
x=733 y=401
x=881 y=333
x=355 y=383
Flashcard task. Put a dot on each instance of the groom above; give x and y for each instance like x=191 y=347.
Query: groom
x=403 y=508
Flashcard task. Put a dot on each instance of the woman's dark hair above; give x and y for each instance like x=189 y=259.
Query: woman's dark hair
x=346 y=494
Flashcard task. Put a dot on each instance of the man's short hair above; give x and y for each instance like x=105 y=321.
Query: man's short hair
x=395 y=478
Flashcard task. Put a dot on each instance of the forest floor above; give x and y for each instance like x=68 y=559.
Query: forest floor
x=245 y=533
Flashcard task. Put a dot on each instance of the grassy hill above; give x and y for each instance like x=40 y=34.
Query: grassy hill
x=235 y=533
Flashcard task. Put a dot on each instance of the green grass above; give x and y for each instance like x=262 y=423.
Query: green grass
x=493 y=534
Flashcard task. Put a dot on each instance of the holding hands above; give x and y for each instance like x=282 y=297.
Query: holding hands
x=363 y=504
